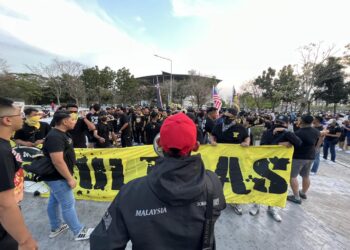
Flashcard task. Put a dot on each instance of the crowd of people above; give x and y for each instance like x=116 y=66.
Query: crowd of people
x=171 y=188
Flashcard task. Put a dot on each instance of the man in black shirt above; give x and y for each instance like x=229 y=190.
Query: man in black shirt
x=152 y=128
x=104 y=132
x=303 y=157
x=81 y=128
x=233 y=133
x=277 y=135
x=317 y=124
x=58 y=146
x=13 y=232
x=209 y=122
x=93 y=116
x=331 y=140
x=138 y=126
x=33 y=131
x=121 y=126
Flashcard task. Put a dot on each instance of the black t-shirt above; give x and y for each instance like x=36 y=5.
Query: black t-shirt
x=209 y=125
x=139 y=121
x=119 y=123
x=8 y=166
x=333 y=131
x=309 y=137
x=94 y=118
x=235 y=134
x=8 y=169
x=103 y=131
x=79 y=134
x=32 y=134
x=58 y=141
x=151 y=130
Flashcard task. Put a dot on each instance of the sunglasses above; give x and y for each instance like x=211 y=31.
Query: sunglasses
x=73 y=112
x=10 y=116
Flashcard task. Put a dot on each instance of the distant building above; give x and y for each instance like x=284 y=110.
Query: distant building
x=165 y=76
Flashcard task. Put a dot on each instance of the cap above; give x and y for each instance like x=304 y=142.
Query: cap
x=231 y=111
x=211 y=109
x=307 y=119
x=178 y=132
x=282 y=118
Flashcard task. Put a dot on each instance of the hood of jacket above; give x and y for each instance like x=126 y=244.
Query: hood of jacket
x=178 y=181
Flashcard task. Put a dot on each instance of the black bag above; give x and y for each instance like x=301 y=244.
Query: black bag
x=208 y=230
x=41 y=166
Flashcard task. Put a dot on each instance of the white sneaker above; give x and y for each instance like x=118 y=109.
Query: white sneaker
x=254 y=210
x=347 y=151
x=274 y=214
x=331 y=163
x=84 y=234
x=58 y=231
x=237 y=209
x=312 y=173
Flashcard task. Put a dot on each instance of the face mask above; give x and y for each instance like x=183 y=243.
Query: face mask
x=34 y=121
x=227 y=120
x=74 y=116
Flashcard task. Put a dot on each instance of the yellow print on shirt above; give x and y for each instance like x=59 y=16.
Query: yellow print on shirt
x=235 y=134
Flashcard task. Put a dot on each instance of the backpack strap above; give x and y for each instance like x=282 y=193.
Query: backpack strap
x=208 y=235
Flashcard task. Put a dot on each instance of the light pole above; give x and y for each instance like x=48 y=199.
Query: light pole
x=171 y=78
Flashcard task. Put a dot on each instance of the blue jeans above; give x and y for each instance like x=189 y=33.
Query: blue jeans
x=61 y=197
x=328 y=144
x=316 y=163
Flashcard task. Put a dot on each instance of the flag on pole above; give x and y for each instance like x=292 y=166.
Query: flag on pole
x=216 y=99
x=159 y=96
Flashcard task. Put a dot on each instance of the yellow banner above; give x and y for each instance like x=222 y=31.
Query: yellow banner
x=249 y=175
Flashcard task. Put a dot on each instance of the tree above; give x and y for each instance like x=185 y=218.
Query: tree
x=256 y=93
x=98 y=82
x=199 y=88
x=266 y=83
x=4 y=68
x=329 y=78
x=287 y=85
x=311 y=55
x=53 y=72
x=23 y=87
x=126 y=87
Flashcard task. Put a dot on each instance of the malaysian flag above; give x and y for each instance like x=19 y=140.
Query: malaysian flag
x=216 y=99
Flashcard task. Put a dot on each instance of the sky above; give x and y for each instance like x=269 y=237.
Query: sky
x=233 y=40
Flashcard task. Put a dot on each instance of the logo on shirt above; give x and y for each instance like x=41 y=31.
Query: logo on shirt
x=70 y=141
x=204 y=203
x=107 y=219
x=149 y=212
x=235 y=134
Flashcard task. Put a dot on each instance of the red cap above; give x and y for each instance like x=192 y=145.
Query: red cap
x=179 y=132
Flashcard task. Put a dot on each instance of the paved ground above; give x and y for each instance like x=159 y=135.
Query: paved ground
x=321 y=222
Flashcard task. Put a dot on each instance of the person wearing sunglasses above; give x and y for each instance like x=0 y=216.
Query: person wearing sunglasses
x=14 y=234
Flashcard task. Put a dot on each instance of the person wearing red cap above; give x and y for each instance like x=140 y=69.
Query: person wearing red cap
x=166 y=209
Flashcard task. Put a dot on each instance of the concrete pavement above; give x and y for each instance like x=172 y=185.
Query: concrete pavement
x=321 y=222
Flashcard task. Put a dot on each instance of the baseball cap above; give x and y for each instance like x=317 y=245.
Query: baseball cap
x=307 y=119
x=211 y=109
x=231 y=111
x=178 y=132
x=282 y=118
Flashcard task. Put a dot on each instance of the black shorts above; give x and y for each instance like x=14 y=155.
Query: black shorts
x=8 y=243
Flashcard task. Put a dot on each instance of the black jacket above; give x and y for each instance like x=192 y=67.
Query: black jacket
x=164 y=210
x=268 y=138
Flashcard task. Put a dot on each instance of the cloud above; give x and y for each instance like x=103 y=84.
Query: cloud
x=242 y=38
x=198 y=8
x=138 y=19
x=66 y=29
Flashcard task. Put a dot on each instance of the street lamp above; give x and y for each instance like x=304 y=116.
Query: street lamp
x=171 y=77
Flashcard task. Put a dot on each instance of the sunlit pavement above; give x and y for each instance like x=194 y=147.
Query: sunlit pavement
x=320 y=222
